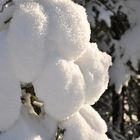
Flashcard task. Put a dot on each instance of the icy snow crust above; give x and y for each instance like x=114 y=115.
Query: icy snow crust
x=48 y=45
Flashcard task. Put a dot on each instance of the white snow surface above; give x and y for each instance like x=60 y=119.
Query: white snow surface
x=64 y=37
x=28 y=127
x=26 y=37
x=133 y=11
x=48 y=44
x=61 y=88
x=94 y=65
x=80 y=128
x=9 y=89
x=97 y=124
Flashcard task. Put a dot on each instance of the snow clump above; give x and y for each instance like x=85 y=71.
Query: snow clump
x=48 y=43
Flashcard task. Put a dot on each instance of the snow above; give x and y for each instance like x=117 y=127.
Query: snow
x=64 y=37
x=9 y=89
x=131 y=45
x=26 y=38
x=98 y=124
x=95 y=72
x=119 y=74
x=104 y=14
x=133 y=11
x=61 y=88
x=23 y=129
x=28 y=127
x=127 y=50
x=78 y=128
x=47 y=48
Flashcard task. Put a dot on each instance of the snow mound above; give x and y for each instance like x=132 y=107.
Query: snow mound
x=26 y=37
x=78 y=128
x=9 y=89
x=49 y=46
x=23 y=129
x=61 y=88
x=68 y=29
x=98 y=124
x=94 y=65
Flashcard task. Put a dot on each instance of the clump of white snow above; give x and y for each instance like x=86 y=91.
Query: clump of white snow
x=97 y=124
x=26 y=37
x=68 y=29
x=49 y=46
x=61 y=87
x=94 y=66
x=78 y=128
x=9 y=89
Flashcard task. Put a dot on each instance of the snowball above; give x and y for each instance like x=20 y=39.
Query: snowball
x=61 y=88
x=23 y=129
x=68 y=29
x=9 y=89
x=93 y=119
x=78 y=129
x=26 y=37
x=94 y=65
